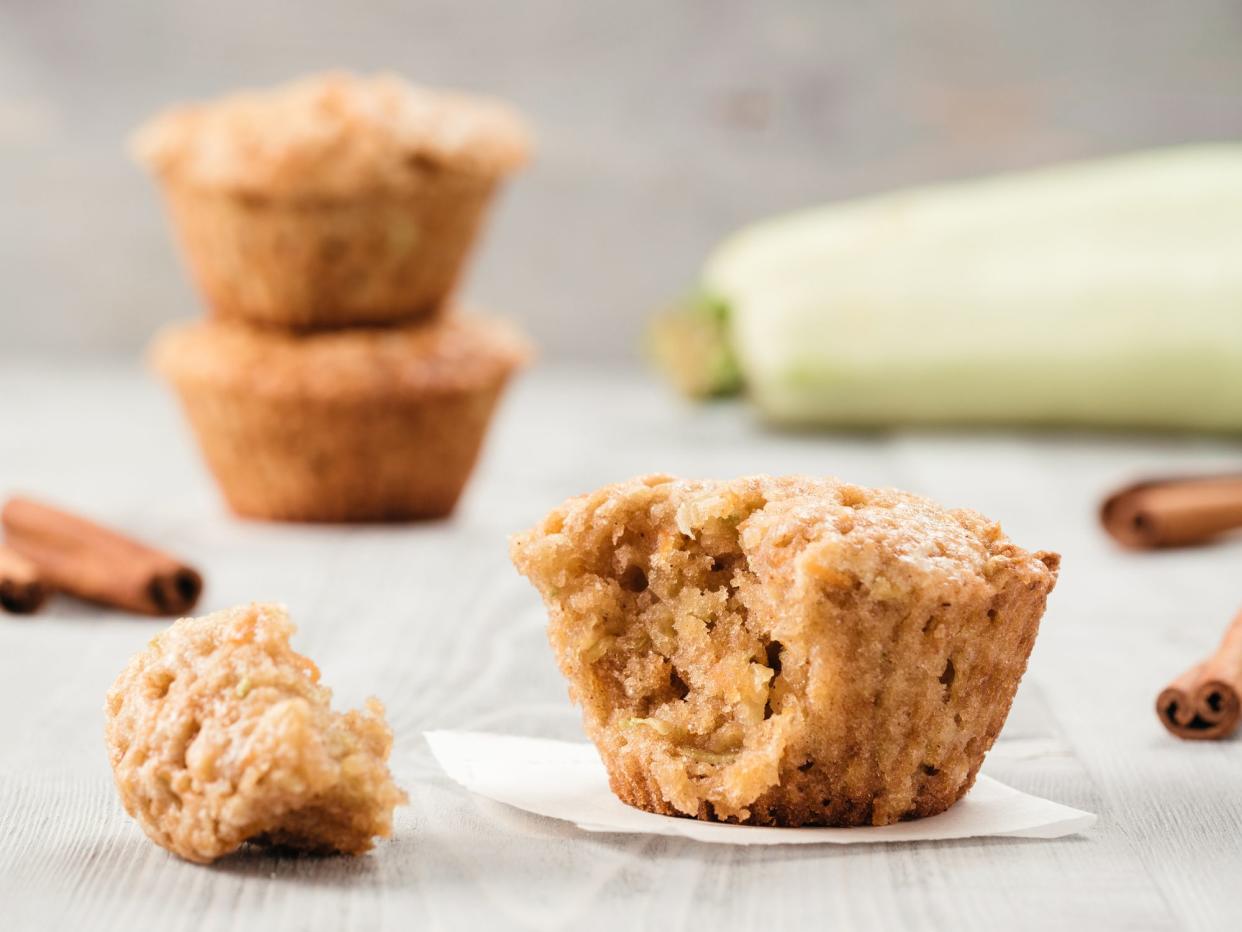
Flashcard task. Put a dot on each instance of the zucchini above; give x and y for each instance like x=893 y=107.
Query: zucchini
x=1105 y=293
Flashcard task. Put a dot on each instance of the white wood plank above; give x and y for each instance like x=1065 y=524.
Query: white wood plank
x=433 y=620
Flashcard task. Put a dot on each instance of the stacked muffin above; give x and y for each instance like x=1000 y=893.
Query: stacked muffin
x=326 y=223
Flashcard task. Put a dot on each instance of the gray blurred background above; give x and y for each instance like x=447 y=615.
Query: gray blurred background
x=663 y=125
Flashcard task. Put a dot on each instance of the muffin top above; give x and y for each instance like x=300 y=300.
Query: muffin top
x=332 y=135
x=805 y=529
x=456 y=353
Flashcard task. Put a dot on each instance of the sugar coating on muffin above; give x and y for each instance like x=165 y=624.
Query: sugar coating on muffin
x=220 y=734
x=785 y=651
x=334 y=134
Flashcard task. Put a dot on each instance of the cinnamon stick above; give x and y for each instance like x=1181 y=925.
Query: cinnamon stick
x=1174 y=512
x=21 y=589
x=1205 y=702
x=98 y=564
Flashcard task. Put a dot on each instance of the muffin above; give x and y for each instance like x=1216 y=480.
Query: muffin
x=785 y=651
x=220 y=734
x=351 y=425
x=333 y=201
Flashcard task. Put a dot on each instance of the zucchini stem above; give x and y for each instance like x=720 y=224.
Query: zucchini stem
x=689 y=343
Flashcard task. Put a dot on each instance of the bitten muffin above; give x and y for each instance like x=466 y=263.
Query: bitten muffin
x=785 y=651
x=220 y=734
x=333 y=201
x=351 y=425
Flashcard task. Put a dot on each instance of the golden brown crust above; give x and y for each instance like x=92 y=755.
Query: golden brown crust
x=455 y=353
x=220 y=734
x=334 y=135
x=378 y=259
x=401 y=458
x=786 y=651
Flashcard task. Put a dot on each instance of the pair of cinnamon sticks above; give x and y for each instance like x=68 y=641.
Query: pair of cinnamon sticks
x=1205 y=702
x=46 y=549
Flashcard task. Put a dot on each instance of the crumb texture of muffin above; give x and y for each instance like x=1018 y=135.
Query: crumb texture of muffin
x=359 y=425
x=786 y=651
x=220 y=734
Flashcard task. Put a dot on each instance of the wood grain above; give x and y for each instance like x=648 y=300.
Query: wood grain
x=433 y=620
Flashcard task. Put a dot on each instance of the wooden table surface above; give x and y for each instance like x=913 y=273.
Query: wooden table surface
x=434 y=621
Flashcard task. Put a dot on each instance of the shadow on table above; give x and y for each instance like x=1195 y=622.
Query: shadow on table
x=681 y=849
x=288 y=866
x=516 y=826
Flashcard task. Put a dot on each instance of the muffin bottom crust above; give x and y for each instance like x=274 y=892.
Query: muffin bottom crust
x=328 y=263
x=352 y=459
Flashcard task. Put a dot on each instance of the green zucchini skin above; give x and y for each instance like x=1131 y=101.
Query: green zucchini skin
x=1105 y=294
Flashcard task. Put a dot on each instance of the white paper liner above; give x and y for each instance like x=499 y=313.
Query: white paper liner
x=566 y=780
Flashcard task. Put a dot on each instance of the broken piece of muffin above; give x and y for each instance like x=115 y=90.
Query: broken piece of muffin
x=786 y=651
x=220 y=734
